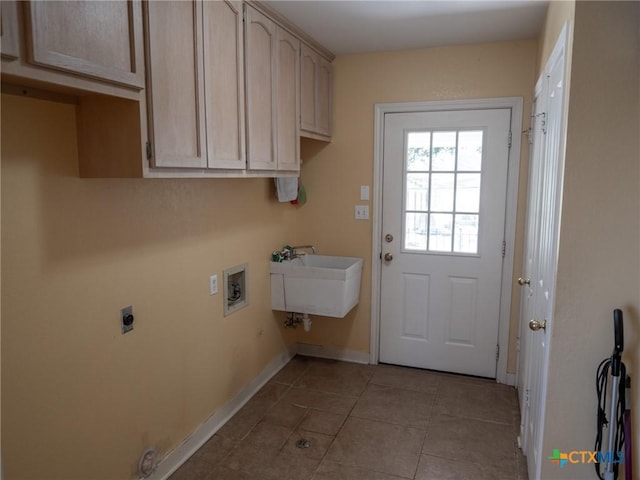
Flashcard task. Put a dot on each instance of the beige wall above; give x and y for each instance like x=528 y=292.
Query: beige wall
x=558 y=12
x=80 y=400
x=334 y=174
x=599 y=259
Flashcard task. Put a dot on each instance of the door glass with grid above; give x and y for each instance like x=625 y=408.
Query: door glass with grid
x=442 y=181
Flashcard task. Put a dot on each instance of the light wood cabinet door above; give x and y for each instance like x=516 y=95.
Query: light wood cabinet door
x=94 y=39
x=224 y=84
x=309 y=87
x=175 y=88
x=315 y=94
x=9 y=29
x=287 y=100
x=324 y=97
x=260 y=50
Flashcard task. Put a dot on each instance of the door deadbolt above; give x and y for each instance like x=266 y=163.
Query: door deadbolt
x=388 y=238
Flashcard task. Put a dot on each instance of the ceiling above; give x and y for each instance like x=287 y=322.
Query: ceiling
x=360 y=26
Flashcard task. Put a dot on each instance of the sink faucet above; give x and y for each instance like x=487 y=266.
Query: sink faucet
x=295 y=252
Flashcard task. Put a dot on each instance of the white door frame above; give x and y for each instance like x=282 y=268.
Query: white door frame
x=515 y=104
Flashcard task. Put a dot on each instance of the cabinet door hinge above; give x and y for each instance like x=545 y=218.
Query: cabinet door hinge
x=149 y=151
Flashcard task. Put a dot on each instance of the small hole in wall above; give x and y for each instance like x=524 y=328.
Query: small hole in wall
x=235 y=288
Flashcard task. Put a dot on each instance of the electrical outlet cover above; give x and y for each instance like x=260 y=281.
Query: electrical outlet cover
x=126 y=319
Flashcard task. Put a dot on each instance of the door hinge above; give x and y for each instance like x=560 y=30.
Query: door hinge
x=504 y=248
x=497 y=352
x=510 y=138
x=526 y=397
x=149 y=151
x=529 y=133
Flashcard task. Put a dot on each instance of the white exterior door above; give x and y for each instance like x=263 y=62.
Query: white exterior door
x=443 y=221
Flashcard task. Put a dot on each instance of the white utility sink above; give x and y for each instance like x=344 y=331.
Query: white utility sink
x=316 y=284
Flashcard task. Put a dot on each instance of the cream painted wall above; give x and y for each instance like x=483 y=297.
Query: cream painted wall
x=558 y=12
x=333 y=175
x=80 y=400
x=599 y=259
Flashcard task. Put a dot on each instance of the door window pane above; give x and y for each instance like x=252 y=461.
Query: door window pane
x=418 y=191
x=470 y=151
x=440 y=232
x=468 y=192
x=466 y=234
x=418 y=151
x=444 y=151
x=442 y=192
x=415 y=237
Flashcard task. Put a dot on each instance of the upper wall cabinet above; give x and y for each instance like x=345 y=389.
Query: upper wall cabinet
x=74 y=47
x=9 y=29
x=98 y=40
x=273 y=86
x=315 y=94
x=220 y=96
x=195 y=85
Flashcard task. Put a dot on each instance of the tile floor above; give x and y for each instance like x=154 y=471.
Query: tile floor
x=366 y=422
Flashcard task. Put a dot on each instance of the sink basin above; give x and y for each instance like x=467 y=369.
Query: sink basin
x=316 y=284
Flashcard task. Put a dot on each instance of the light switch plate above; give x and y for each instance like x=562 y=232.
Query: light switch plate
x=362 y=212
x=213 y=284
x=364 y=192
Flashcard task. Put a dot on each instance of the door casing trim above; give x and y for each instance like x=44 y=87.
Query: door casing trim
x=513 y=103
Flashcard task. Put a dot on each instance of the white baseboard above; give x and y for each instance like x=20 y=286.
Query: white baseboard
x=510 y=379
x=172 y=461
x=333 y=353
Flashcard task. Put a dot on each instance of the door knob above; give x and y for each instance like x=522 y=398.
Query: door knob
x=524 y=281
x=535 y=325
x=388 y=257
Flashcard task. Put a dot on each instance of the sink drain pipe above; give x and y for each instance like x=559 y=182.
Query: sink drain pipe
x=293 y=319
x=306 y=322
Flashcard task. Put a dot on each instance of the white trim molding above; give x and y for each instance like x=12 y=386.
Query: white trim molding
x=381 y=109
x=333 y=353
